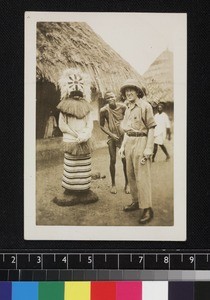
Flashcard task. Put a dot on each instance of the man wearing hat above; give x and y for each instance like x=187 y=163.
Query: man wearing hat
x=137 y=146
x=112 y=114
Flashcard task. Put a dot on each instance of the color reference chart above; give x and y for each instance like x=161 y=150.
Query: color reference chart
x=107 y=290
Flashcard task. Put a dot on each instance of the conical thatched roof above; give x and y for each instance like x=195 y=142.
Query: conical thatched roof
x=159 y=78
x=74 y=44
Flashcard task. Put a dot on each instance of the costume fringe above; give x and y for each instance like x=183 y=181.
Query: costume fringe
x=78 y=149
x=77 y=108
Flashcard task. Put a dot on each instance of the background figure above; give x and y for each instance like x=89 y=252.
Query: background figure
x=161 y=131
x=75 y=121
x=50 y=126
x=137 y=147
x=113 y=114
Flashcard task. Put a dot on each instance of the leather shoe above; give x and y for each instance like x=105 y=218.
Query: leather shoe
x=131 y=207
x=146 y=216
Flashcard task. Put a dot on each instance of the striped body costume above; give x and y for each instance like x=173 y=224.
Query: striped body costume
x=77 y=172
x=75 y=121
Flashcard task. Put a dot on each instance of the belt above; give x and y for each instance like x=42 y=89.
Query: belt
x=136 y=134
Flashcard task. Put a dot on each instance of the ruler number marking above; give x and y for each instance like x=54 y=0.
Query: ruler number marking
x=140 y=259
x=90 y=259
x=192 y=259
x=39 y=259
x=64 y=259
x=13 y=259
x=166 y=260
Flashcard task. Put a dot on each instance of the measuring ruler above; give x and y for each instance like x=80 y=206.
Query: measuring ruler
x=41 y=266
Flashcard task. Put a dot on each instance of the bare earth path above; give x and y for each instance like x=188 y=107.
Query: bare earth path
x=108 y=210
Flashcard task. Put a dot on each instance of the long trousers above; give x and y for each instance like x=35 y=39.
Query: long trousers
x=139 y=176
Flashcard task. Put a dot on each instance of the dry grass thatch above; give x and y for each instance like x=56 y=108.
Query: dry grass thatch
x=159 y=78
x=65 y=45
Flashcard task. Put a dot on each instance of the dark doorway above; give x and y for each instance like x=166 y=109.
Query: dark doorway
x=47 y=98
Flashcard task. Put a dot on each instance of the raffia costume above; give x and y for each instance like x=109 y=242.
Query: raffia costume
x=76 y=124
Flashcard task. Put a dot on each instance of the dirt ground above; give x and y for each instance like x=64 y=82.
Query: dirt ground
x=108 y=210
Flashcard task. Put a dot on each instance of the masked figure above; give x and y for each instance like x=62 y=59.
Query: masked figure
x=76 y=124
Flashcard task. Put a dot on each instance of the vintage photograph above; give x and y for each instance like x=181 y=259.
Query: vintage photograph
x=105 y=126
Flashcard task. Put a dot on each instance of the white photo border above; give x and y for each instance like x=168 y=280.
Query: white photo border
x=177 y=232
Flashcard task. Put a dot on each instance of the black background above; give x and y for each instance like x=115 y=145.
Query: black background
x=12 y=122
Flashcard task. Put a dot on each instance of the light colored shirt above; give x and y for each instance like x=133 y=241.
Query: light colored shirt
x=139 y=118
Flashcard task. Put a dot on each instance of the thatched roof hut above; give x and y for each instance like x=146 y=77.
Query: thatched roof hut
x=159 y=78
x=62 y=45
x=74 y=44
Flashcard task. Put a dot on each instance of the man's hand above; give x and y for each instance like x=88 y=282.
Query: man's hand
x=147 y=153
x=122 y=152
x=115 y=137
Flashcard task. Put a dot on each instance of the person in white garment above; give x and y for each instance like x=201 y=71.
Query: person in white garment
x=162 y=131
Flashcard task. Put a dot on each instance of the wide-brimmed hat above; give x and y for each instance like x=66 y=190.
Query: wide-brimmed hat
x=132 y=83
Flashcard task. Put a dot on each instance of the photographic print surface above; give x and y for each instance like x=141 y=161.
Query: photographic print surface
x=105 y=126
